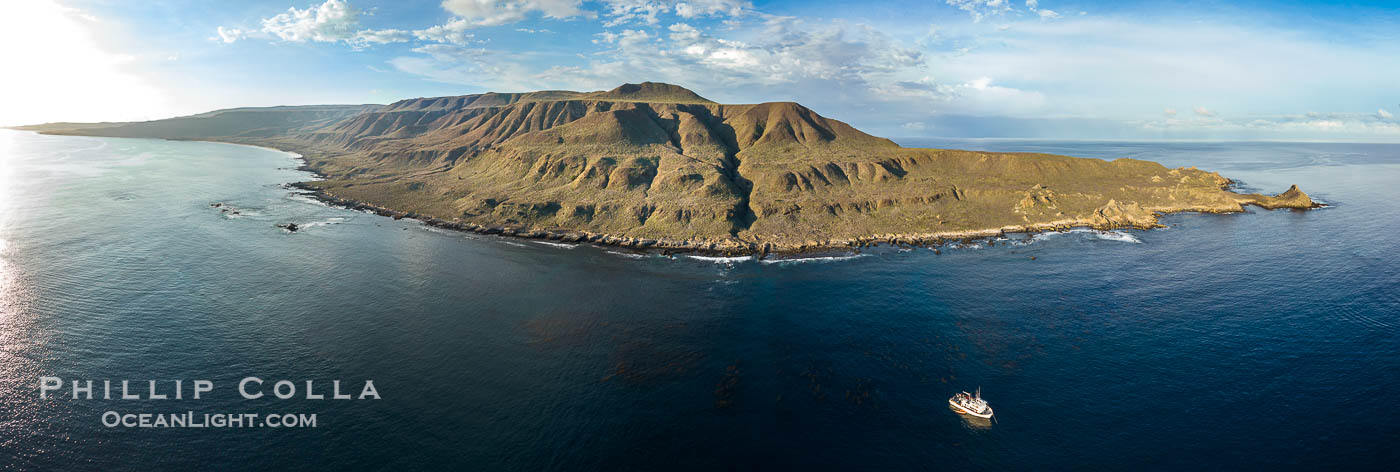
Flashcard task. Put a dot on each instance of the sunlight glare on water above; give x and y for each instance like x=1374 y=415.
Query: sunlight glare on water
x=6 y=187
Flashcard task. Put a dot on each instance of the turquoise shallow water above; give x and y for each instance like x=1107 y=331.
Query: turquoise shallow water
x=1262 y=340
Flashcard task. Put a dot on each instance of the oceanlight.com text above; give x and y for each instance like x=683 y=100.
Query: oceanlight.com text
x=190 y=419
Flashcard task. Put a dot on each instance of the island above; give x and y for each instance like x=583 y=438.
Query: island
x=657 y=166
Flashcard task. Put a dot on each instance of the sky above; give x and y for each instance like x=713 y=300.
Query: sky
x=1207 y=70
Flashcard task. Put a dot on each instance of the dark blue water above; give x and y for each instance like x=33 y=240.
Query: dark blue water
x=1262 y=340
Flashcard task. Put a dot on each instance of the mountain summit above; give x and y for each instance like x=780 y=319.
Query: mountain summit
x=650 y=92
x=657 y=165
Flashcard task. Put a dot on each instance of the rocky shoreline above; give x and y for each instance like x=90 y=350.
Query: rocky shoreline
x=1111 y=217
x=737 y=247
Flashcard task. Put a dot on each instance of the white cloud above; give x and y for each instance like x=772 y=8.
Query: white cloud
x=789 y=51
x=1384 y=115
x=980 y=9
x=684 y=33
x=1044 y=14
x=329 y=22
x=700 y=8
x=337 y=21
x=453 y=32
x=649 y=11
x=384 y=36
x=914 y=126
x=632 y=38
x=642 y=11
x=626 y=39
x=229 y=35
x=1076 y=67
x=500 y=12
x=784 y=54
x=332 y=21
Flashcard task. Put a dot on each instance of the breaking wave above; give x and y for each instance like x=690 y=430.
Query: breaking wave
x=629 y=255
x=335 y=220
x=1119 y=236
x=306 y=198
x=720 y=259
x=799 y=260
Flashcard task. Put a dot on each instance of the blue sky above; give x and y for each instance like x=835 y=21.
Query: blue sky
x=958 y=68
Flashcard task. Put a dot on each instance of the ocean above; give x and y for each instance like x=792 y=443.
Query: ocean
x=1262 y=340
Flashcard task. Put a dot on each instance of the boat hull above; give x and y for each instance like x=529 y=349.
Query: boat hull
x=965 y=411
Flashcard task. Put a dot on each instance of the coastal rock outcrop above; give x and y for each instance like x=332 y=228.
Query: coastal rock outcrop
x=1291 y=198
x=1124 y=215
x=1038 y=195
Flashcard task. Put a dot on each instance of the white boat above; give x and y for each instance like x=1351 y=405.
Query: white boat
x=971 y=404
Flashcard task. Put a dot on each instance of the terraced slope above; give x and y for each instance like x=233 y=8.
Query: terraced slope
x=657 y=165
